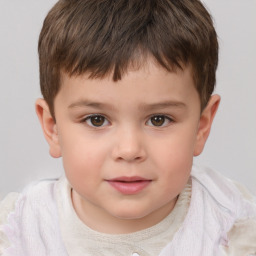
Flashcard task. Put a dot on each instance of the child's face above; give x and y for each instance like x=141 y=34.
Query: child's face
x=127 y=146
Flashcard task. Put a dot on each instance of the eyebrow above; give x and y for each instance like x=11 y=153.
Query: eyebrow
x=163 y=105
x=86 y=103
x=143 y=106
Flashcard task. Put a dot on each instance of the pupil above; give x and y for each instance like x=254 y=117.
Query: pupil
x=97 y=120
x=157 y=120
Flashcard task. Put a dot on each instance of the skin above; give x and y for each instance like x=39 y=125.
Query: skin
x=149 y=124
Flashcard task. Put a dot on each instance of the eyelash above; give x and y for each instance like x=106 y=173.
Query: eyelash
x=88 y=120
x=165 y=119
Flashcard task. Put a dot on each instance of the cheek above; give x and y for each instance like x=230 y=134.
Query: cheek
x=176 y=147
x=174 y=156
x=82 y=168
x=174 y=171
x=82 y=157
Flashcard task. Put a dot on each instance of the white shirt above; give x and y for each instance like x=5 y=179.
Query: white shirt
x=190 y=229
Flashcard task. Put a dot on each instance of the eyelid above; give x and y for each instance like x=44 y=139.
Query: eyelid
x=84 y=117
x=169 y=117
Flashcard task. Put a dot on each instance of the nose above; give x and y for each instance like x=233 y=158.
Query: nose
x=129 y=146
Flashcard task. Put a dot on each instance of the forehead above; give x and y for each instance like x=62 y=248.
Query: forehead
x=147 y=85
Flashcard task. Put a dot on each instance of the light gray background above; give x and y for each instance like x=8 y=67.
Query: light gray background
x=24 y=157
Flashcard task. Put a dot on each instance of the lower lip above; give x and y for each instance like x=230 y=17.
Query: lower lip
x=129 y=188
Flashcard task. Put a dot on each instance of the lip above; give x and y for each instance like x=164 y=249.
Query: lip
x=129 y=185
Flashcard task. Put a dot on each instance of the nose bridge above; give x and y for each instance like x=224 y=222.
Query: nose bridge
x=129 y=145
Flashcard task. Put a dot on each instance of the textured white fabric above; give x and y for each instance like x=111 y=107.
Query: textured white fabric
x=216 y=204
x=33 y=228
x=242 y=238
x=7 y=205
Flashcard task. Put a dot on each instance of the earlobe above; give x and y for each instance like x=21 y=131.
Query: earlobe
x=205 y=123
x=49 y=127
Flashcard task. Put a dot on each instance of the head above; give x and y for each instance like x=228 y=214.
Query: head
x=105 y=37
x=127 y=103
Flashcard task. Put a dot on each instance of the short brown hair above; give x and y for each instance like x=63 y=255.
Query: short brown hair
x=104 y=36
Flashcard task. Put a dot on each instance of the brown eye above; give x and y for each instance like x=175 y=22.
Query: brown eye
x=159 y=120
x=96 y=120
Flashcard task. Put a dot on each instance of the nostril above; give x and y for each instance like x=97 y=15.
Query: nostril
x=129 y=156
x=129 y=147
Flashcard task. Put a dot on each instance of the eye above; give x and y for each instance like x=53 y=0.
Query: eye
x=159 y=121
x=96 y=121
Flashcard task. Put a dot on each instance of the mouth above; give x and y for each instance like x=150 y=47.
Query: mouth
x=129 y=185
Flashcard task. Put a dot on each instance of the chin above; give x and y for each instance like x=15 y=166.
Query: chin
x=130 y=214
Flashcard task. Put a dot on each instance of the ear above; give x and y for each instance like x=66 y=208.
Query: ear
x=49 y=127
x=205 y=123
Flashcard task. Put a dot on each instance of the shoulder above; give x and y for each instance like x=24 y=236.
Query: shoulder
x=242 y=238
x=242 y=235
x=230 y=195
x=234 y=199
x=16 y=207
x=7 y=205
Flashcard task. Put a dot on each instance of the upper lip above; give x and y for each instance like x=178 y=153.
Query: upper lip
x=129 y=179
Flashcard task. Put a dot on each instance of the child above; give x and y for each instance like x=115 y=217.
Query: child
x=128 y=103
